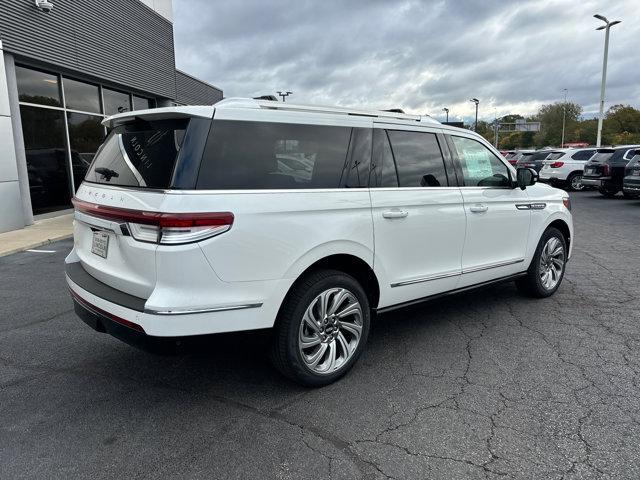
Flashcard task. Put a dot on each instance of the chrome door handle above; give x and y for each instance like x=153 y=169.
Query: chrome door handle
x=478 y=208
x=395 y=213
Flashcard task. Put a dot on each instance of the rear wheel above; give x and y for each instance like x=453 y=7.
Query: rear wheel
x=321 y=329
x=546 y=271
x=574 y=182
x=609 y=192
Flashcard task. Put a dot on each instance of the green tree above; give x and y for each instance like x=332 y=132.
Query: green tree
x=550 y=117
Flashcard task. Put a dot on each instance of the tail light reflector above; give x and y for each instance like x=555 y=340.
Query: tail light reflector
x=162 y=228
x=556 y=164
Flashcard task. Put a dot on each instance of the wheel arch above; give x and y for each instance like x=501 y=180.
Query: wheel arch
x=564 y=229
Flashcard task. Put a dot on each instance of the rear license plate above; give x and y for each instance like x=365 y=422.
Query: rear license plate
x=100 y=244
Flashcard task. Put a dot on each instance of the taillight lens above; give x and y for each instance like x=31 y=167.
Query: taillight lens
x=606 y=170
x=556 y=164
x=162 y=228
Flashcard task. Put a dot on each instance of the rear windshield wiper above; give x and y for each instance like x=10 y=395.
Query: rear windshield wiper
x=107 y=173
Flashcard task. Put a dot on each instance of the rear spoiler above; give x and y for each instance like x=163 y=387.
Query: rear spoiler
x=605 y=150
x=165 y=113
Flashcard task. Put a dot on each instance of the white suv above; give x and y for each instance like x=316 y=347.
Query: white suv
x=565 y=170
x=256 y=214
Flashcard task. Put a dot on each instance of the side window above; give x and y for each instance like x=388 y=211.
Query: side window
x=359 y=158
x=583 y=155
x=261 y=155
x=383 y=169
x=480 y=167
x=418 y=159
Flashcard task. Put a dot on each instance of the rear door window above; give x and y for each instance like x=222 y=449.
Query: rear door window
x=264 y=155
x=480 y=167
x=139 y=154
x=418 y=159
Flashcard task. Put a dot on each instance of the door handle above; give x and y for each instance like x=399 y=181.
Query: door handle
x=395 y=213
x=478 y=208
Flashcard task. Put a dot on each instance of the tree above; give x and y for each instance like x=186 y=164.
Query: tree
x=550 y=118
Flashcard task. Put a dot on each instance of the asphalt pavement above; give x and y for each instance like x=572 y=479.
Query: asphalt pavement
x=486 y=384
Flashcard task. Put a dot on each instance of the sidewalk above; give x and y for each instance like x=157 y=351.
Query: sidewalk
x=42 y=232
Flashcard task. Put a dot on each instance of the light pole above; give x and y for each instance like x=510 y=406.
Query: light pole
x=284 y=95
x=476 y=101
x=564 y=116
x=604 y=70
x=446 y=110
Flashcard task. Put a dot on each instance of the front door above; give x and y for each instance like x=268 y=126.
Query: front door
x=498 y=215
x=418 y=216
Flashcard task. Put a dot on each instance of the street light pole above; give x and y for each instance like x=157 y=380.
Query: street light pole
x=284 y=95
x=604 y=70
x=564 y=116
x=476 y=101
x=446 y=110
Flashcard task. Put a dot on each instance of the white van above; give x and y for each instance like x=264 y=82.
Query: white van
x=254 y=214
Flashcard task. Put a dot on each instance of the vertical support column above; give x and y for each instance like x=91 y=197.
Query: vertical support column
x=14 y=181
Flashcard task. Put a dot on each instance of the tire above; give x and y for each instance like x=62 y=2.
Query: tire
x=608 y=191
x=535 y=283
x=309 y=314
x=573 y=182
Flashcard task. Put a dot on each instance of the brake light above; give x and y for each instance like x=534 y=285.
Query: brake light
x=606 y=171
x=556 y=164
x=162 y=228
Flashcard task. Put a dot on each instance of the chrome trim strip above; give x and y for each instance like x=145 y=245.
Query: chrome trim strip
x=97 y=222
x=523 y=206
x=492 y=265
x=203 y=310
x=427 y=278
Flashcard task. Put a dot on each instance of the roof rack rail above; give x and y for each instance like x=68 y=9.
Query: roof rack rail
x=271 y=98
x=394 y=110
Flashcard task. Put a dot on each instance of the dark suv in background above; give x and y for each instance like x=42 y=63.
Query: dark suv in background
x=631 y=181
x=606 y=169
x=536 y=160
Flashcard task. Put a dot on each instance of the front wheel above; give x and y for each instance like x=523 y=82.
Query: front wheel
x=546 y=271
x=321 y=329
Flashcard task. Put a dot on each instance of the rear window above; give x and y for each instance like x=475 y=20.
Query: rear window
x=555 y=156
x=602 y=157
x=139 y=154
x=538 y=156
x=261 y=155
x=583 y=155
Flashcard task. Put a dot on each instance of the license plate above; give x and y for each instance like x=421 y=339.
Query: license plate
x=100 y=244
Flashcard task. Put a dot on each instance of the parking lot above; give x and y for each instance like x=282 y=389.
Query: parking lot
x=480 y=385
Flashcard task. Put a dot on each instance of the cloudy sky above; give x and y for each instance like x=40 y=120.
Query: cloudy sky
x=417 y=55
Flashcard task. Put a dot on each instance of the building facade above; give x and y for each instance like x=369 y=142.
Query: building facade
x=62 y=71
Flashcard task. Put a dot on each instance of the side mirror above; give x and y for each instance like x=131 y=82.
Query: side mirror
x=526 y=177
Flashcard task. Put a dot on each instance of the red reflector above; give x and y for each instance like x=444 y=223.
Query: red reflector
x=117 y=214
x=556 y=164
x=110 y=316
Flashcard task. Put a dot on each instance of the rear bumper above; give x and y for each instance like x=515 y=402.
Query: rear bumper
x=596 y=182
x=112 y=311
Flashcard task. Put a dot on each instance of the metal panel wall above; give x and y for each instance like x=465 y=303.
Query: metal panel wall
x=119 y=41
x=191 y=91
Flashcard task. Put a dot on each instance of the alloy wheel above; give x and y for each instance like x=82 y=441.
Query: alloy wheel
x=576 y=182
x=552 y=262
x=330 y=330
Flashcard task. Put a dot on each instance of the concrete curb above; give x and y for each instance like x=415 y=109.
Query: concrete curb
x=42 y=232
x=40 y=243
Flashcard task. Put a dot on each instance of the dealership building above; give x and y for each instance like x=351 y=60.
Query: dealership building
x=64 y=66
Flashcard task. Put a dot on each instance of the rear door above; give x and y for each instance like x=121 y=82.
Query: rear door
x=497 y=214
x=418 y=217
x=130 y=171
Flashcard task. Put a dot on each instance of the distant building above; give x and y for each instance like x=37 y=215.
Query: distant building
x=61 y=73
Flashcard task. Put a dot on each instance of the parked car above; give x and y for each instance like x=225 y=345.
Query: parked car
x=514 y=155
x=187 y=224
x=631 y=181
x=606 y=169
x=566 y=170
x=536 y=159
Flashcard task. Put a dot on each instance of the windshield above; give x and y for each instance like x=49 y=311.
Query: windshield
x=139 y=154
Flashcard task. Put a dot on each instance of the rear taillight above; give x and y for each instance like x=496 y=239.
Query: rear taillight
x=158 y=227
x=556 y=164
x=606 y=170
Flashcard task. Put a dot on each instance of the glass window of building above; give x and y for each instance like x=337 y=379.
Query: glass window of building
x=141 y=103
x=86 y=133
x=81 y=96
x=115 y=102
x=38 y=87
x=47 y=167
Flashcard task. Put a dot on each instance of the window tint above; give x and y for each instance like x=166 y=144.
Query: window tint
x=418 y=159
x=555 y=156
x=480 y=167
x=255 y=155
x=359 y=158
x=81 y=96
x=38 y=87
x=583 y=155
x=139 y=154
x=141 y=103
x=115 y=102
x=383 y=169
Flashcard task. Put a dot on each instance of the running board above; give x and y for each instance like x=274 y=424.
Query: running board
x=450 y=292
